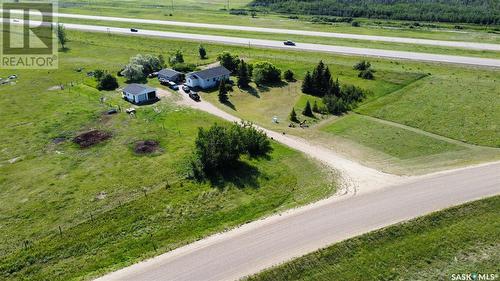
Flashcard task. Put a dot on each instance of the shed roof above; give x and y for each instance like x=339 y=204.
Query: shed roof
x=168 y=72
x=137 y=89
x=211 y=72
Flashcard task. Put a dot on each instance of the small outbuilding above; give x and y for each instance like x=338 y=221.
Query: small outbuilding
x=139 y=94
x=170 y=75
x=207 y=78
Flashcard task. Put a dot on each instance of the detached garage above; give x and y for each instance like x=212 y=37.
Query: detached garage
x=138 y=94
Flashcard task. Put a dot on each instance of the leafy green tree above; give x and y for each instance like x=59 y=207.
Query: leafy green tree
x=265 y=72
x=243 y=75
x=218 y=148
x=288 y=75
x=107 y=82
x=228 y=61
x=307 y=110
x=203 y=52
x=61 y=36
x=293 y=116
x=223 y=98
x=133 y=72
x=176 y=57
x=148 y=62
x=307 y=84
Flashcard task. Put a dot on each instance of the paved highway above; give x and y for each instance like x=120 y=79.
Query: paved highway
x=279 y=45
x=262 y=244
x=455 y=44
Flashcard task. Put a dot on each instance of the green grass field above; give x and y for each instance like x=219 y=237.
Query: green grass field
x=396 y=142
x=210 y=12
x=462 y=239
x=115 y=207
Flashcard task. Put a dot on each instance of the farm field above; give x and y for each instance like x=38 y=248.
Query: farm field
x=212 y=12
x=71 y=213
x=298 y=38
x=462 y=239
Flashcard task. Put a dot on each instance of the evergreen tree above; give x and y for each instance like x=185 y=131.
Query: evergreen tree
x=293 y=116
x=307 y=110
x=243 y=75
x=288 y=75
x=326 y=81
x=316 y=107
x=203 y=52
x=317 y=78
x=335 y=89
x=223 y=91
x=307 y=84
x=61 y=36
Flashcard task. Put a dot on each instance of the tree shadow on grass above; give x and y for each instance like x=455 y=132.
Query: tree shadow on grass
x=241 y=175
x=230 y=105
x=251 y=90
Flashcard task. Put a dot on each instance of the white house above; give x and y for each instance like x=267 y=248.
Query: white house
x=138 y=93
x=207 y=78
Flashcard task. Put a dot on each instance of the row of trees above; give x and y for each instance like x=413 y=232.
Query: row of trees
x=219 y=147
x=466 y=11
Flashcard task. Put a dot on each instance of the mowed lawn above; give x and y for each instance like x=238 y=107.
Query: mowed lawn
x=71 y=213
x=462 y=239
x=396 y=142
x=462 y=105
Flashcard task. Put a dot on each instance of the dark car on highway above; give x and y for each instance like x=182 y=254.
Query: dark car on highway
x=289 y=43
x=194 y=96
x=134 y=30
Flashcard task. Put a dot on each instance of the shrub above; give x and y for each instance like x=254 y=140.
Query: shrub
x=265 y=72
x=288 y=75
x=176 y=57
x=366 y=74
x=108 y=82
x=203 y=52
x=362 y=65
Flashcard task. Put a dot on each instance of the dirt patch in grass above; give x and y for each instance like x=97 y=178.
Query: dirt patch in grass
x=91 y=138
x=146 y=147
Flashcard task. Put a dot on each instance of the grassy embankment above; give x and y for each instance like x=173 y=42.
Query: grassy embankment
x=194 y=11
x=115 y=207
x=462 y=239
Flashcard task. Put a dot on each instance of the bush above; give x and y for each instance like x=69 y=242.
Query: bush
x=265 y=72
x=366 y=74
x=108 y=83
x=362 y=65
x=288 y=75
x=218 y=148
x=203 y=52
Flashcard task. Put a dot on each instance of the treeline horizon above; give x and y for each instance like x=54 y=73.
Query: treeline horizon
x=485 y=12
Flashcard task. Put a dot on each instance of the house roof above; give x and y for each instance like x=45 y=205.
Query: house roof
x=137 y=89
x=211 y=72
x=168 y=72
